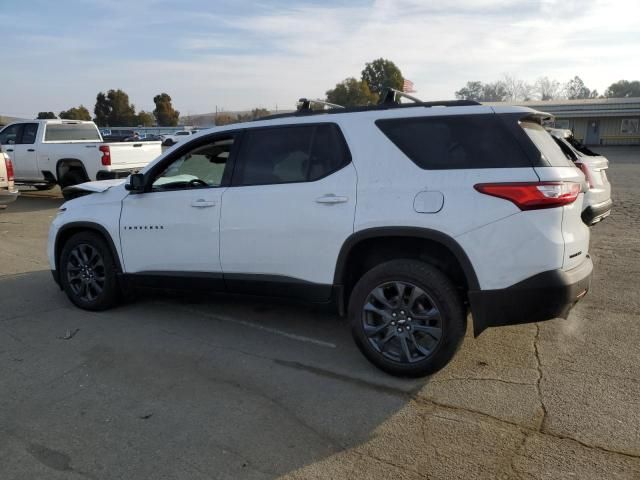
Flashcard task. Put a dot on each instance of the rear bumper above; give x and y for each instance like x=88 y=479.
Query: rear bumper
x=544 y=296
x=8 y=196
x=594 y=213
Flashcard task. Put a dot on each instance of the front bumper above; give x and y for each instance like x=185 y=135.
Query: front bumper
x=8 y=196
x=544 y=296
x=594 y=213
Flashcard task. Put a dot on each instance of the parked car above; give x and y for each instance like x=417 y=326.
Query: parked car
x=459 y=207
x=46 y=153
x=118 y=135
x=597 y=200
x=8 y=191
x=170 y=140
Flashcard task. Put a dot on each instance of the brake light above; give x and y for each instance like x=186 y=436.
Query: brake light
x=534 y=195
x=106 y=155
x=587 y=174
x=9 y=165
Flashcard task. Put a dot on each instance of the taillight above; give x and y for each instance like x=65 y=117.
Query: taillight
x=9 y=164
x=534 y=195
x=106 y=155
x=587 y=174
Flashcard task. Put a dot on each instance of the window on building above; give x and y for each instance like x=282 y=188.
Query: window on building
x=630 y=126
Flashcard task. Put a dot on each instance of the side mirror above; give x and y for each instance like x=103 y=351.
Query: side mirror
x=135 y=183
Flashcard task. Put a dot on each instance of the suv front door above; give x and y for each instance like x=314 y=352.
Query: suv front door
x=288 y=212
x=172 y=229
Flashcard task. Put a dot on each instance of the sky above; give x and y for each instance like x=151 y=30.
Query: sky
x=237 y=55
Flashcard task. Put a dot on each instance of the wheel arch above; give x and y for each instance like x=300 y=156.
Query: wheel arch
x=64 y=165
x=70 y=229
x=388 y=240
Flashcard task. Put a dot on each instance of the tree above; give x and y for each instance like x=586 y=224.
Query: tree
x=224 y=118
x=164 y=112
x=351 y=92
x=547 y=89
x=622 y=89
x=76 y=113
x=576 y=89
x=145 y=119
x=114 y=109
x=382 y=73
x=471 y=91
x=46 y=115
x=482 y=92
x=252 y=115
x=516 y=90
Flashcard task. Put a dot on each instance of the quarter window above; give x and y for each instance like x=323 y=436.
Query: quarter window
x=454 y=142
x=290 y=154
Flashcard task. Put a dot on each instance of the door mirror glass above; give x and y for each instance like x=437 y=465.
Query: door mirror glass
x=135 y=183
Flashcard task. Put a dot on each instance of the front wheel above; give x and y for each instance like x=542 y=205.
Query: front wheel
x=407 y=318
x=88 y=272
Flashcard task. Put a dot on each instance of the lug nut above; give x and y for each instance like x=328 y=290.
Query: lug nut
x=399 y=329
x=393 y=314
x=402 y=312
x=408 y=319
x=393 y=323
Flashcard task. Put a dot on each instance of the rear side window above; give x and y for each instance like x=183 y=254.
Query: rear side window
x=290 y=154
x=544 y=142
x=454 y=142
x=61 y=132
x=29 y=133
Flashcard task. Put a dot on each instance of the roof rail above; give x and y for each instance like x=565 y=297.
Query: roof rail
x=391 y=95
x=304 y=104
x=367 y=108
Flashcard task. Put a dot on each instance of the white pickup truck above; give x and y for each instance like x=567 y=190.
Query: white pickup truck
x=46 y=153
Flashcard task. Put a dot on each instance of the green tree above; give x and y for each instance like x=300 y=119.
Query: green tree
x=382 y=73
x=164 y=112
x=76 y=113
x=351 y=92
x=46 y=115
x=102 y=110
x=483 y=92
x=114 y=109
x=145 y=119
x=622 y=89
x=471 y=91
x=576 y=89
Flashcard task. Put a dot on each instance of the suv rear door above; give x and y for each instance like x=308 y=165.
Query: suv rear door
x=288 y=211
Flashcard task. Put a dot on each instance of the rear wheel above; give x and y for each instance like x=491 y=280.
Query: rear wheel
x=407 y=318
x=72 y=177
x=88 y=272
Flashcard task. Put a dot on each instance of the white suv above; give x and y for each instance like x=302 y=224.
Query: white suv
x=407 y=217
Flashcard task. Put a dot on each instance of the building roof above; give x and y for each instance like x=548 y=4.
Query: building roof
x=592 y=107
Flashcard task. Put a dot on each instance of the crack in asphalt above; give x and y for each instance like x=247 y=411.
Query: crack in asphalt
x=536 y=349
x=481 y=379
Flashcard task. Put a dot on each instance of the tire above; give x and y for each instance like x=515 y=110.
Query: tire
x=73 y=177
x=96 y=286
x=407 y=318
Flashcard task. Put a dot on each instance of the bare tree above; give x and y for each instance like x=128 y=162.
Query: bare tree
x=547 y=89
x=516 y=90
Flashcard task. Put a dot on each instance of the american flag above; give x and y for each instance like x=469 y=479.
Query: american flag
x=407 y=86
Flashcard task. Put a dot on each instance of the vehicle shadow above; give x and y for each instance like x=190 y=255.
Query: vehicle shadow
x=187 y=385
x=33 y=201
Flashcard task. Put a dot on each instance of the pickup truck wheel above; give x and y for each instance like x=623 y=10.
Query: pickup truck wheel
x=407 y=318
x=88 y=272
x=69 y=179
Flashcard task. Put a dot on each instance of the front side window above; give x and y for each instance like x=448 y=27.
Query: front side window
x=290 y=154
x=29 y=133
x=68 y=132
x=201 y=167
x=11 y=134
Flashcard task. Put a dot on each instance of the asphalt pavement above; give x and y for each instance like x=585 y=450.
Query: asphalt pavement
x=181 y=386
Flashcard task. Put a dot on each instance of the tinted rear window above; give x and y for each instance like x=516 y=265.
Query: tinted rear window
x=454 y=142
x=545 y=143
x=57 y=132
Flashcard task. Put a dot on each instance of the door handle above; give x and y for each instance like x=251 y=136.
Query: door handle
x=9 y=149
x=31 y=149
x=330 y=199
x=202 y=203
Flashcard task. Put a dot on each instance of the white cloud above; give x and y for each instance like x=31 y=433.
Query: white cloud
x=271 y=57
